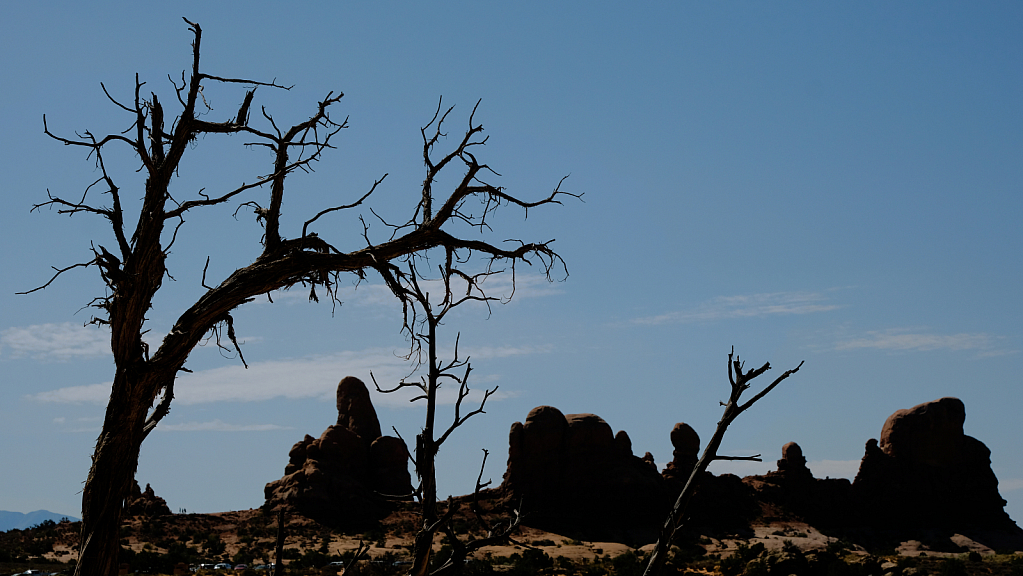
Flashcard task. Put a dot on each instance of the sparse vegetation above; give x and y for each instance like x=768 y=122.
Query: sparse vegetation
x=306 y=555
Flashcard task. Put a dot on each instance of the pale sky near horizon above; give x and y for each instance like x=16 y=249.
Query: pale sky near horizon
x=838 y=184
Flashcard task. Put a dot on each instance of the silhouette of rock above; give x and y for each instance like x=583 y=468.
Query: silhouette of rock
x=926 y=473
x=686 y=442
x=145 y=503
x=388 y=458
x=792 y=491
x=340 y=477
x=355 y=410
x=792 y=462
x=719 y=502
x=925 y=479
x=573 y=473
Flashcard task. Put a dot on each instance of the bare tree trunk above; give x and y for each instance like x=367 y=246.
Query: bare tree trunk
x=109 y=482
x=426 y=457
x=672 y=524
x=278 y=567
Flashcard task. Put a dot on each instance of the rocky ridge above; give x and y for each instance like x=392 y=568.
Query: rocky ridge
x=342 y=477
x=145 y=502
x=572 y=474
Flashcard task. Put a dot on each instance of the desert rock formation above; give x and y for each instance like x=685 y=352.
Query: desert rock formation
x=792 y=490
x=925 y=478
x=686 y=444
x=145 y=502
x=571 y=472
x=925 y=472
x=340 y=478
x=573 y=475
x=720 y=502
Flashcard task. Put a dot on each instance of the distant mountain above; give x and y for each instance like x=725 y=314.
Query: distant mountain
x=20 y=521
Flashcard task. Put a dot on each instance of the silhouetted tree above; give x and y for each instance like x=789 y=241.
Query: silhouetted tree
x=740 y=382
x=460 y=280
x=134 y=269
x=422 y=317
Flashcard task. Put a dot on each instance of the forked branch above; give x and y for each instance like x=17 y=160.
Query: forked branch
x=740 y=382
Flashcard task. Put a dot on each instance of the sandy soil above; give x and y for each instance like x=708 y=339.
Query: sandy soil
x=303 y=534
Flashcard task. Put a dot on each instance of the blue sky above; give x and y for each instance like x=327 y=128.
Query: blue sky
x=834 y=184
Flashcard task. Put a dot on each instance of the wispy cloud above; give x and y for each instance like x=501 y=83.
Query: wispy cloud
x=903 y=339
x=87 y=394
x=749 y=306
x=87 y=429
x=69 y=341
x=55 y=342
x=297 y=378
x=218 y=426
x=62 y=342
x=484 y=352
x=78 y=425
x=369 y=293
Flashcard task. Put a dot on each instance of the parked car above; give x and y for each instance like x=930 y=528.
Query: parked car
x=223 y=566
x=241 y=567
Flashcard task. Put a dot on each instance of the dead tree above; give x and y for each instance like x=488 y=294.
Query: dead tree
x=133 y=271
x=422 y=317
x=277 y=568
x=740 y=382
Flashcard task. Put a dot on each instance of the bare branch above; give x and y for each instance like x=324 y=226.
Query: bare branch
x=228 y=320
x=402 y=384
x=764 y=392
x=111 y=98
x=345 y=207
x=273 y=236
x=59 y=272
x=755 y=458
x=479 y=479
x=360 y=552
x=458 y=421
x=204 y=268
x=496 y=534
x=93 y=144
x=208 y=201
x=272 y=84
